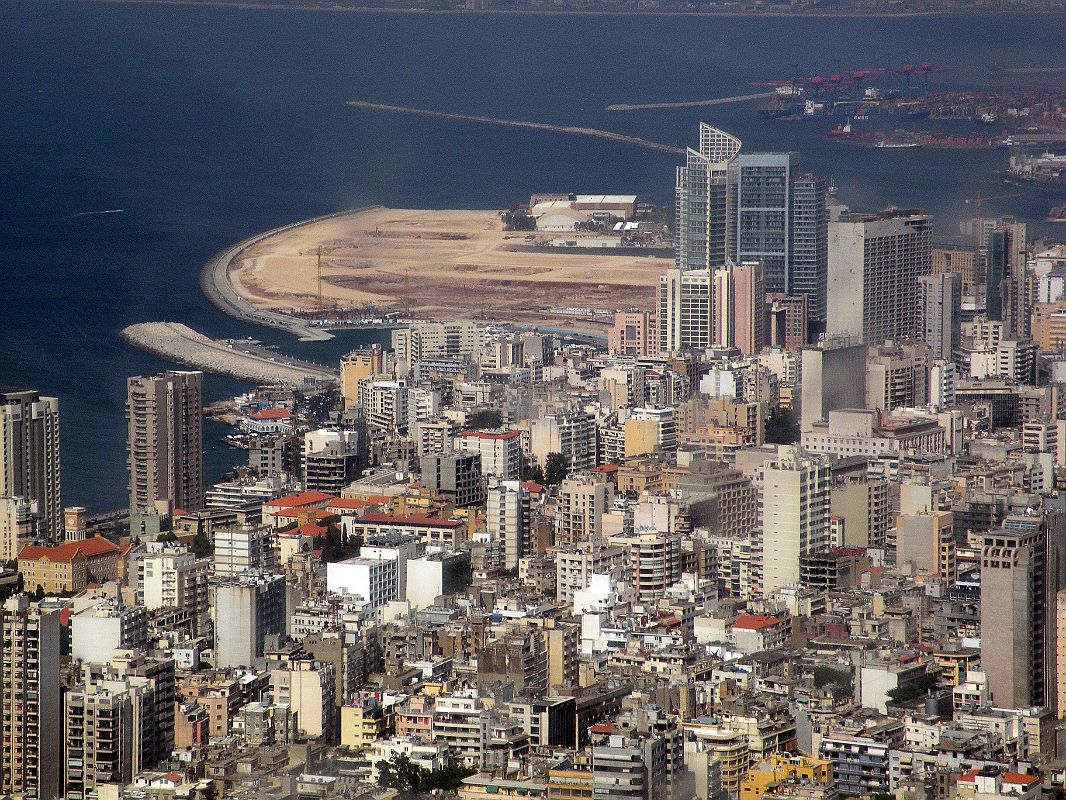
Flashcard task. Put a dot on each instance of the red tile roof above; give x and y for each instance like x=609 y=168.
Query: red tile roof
x=90 y=548
x=754 y=622
x=271 y=413
x=1018 y=777
x=409 y=519
x=96 y=546
x=487 y=435
x=533 y=486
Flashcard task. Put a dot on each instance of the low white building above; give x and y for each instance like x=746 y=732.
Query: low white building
x=372 y=579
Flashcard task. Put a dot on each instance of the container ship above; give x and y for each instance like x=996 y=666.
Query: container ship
x=907 y=139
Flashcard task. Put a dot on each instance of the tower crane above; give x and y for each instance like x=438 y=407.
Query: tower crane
x=978 y=200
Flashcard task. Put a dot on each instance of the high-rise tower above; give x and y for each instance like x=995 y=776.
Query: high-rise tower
x=875 y=261
x=940 y=312
x=794 y=501
x=29 y=454
x=30 y=727
x=1014 y=612
x=703 y=200
x=760 y=190
x=164 y=413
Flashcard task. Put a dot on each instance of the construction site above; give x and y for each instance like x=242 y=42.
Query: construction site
x=460 y=264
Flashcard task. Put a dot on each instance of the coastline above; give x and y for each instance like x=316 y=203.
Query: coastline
x=426 y=264
x=216 y=285
x=275 y=6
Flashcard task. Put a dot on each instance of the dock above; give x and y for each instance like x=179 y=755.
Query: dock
x=570 y=130
x=714 y=101
x=243 y=361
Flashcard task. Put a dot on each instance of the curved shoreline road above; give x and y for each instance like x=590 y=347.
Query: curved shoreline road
x=216 y=286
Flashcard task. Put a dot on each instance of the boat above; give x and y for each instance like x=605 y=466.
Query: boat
x=1056 y=214
x=896 y=145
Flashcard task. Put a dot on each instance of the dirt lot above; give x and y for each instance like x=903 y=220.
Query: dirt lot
x=437 y=264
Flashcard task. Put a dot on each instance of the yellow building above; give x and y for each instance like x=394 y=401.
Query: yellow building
x=359 y=365
x=56 y=570
x=364 y=721
x=1049 y=325
x=569 y=783
x=68 y=567
x=641 y=436
x=954 y=664
x=482 y=785
x=640 y=475
x=780 y=766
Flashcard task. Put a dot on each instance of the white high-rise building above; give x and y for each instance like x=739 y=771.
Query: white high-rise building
x=942 y=379
x=940 y=312
x=794 y=502
x=244 y=547
x=703 y=200
x=384 y=403
x=18 y=525
x=685 y=310
x=507 y=518
x=875 y=261
x=374 y=580
x=29 y=454
x=246 y=609
x=169 y=576
x=501 y=452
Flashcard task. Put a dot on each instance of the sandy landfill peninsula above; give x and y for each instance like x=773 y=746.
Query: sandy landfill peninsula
x=439 y=265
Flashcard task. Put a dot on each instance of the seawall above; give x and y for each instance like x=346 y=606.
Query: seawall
x=180 y=343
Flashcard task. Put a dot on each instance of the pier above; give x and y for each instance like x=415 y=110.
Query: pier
x=714 y=101
x=243 y=361
x=516 y=123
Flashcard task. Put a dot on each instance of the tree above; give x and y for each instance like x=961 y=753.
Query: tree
x=782 y=427
x=448 y=779
x=334 y=545
x=555 y=469
x=400 y=774
x=530 y=471
x=201 y=545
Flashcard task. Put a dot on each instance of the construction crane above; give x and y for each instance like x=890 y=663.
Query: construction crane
x=978 y=200
x=320 y=279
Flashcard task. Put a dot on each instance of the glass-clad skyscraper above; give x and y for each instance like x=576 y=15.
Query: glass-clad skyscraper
x=703 y=201
x=760 y=184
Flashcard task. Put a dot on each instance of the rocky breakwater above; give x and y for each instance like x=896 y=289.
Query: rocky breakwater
x=246 y=362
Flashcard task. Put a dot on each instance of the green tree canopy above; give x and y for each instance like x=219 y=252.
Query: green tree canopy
x=555 y=469
x=782 y=427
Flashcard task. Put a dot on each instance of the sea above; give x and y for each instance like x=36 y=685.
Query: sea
x=137 y=140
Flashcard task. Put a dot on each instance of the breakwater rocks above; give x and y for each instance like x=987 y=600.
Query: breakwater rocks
x=246 y=362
